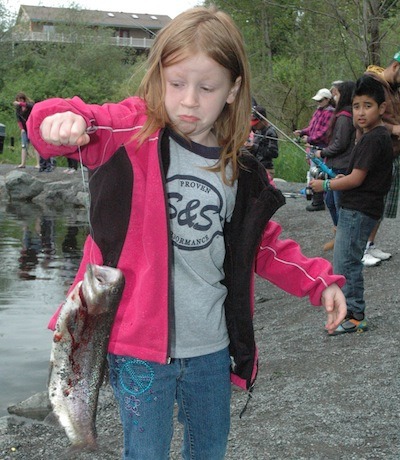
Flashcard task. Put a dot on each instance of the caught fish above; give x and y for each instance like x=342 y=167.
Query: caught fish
x=79 y=351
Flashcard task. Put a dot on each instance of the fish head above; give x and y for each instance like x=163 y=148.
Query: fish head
x=102 y=288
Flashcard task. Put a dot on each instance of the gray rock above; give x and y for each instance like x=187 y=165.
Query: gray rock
x=58 y=194
x=82 y=199
x=53 y=189
x=22 y=186
x=3 y=190
x=37 y=407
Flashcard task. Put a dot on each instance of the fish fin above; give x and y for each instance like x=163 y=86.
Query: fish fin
x=81 y=447
x=52 y=420
x=68 y=453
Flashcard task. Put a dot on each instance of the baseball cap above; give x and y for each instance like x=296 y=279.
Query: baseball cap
x=257 y=114
x=396 y=57
x=322 y=94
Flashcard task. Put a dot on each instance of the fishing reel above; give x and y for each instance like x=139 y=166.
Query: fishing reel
x=313 y=173
x=318 y=169
x=317 y=173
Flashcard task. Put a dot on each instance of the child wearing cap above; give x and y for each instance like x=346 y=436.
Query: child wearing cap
x=316 y=135
x=265 y=139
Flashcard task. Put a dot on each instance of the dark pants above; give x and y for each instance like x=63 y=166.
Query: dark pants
x=317 y=198
x=72 y=164
x=46 y=165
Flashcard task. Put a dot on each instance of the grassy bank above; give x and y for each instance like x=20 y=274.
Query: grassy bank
x=291 y=164
x=12 y=154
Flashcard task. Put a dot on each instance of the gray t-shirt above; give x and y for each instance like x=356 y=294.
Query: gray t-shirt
x=199 y=204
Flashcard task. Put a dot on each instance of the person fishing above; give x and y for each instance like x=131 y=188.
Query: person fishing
x=264 y=145
x=184 y=212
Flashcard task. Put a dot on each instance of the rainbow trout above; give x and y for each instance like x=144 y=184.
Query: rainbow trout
x=79 y=351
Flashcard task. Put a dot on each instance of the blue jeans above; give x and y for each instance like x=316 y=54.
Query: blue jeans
x=332 y=199
x=352 y=234
x=146 y=393
x=24 y=139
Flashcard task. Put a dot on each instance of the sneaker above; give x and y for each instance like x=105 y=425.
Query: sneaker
x=375 y=252
x=370 y=261
x=351 y=325
x=316 y=207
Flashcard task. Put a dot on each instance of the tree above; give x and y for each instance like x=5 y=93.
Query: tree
x=298 y=46
x=363 y=25
x=86 y=66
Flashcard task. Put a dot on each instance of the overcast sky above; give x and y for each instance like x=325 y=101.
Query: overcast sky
x=169 y=7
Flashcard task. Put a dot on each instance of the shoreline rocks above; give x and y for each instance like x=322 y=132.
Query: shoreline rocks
x=53 y=189
x=36 y=407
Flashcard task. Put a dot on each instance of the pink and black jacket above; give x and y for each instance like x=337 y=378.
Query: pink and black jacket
x=130 y=230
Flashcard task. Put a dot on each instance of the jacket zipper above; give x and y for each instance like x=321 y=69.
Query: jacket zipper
x=170 y=255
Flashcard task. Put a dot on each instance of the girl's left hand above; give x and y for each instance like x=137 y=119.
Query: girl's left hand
x=317 y=185
x=335 y=305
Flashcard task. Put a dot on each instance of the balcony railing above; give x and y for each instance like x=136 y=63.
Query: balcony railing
x=52 y=37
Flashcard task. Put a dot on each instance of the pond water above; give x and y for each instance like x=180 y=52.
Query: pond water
x=40 y=251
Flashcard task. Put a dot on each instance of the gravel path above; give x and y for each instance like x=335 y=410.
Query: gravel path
x=316 y=397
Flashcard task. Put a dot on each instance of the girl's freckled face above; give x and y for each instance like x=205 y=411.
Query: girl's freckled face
x=197 y=89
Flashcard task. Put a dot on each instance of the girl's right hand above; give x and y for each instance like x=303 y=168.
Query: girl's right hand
x=66 y=128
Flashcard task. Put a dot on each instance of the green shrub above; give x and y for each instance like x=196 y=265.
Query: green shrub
x=291 y=164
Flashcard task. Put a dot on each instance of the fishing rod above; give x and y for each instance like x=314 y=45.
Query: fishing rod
x=310 y=155
x=261 y=117
x=270 y=137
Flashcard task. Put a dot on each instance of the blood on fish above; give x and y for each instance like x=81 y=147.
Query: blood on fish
x=79 y=353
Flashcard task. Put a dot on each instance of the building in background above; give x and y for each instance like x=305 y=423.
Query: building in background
x=57 y=25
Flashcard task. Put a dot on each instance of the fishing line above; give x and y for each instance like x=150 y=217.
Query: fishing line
x=86 y=183
x=272 y=137
x=86 y=187
x=287 y=138
x=260 y=116
x=86 y=190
